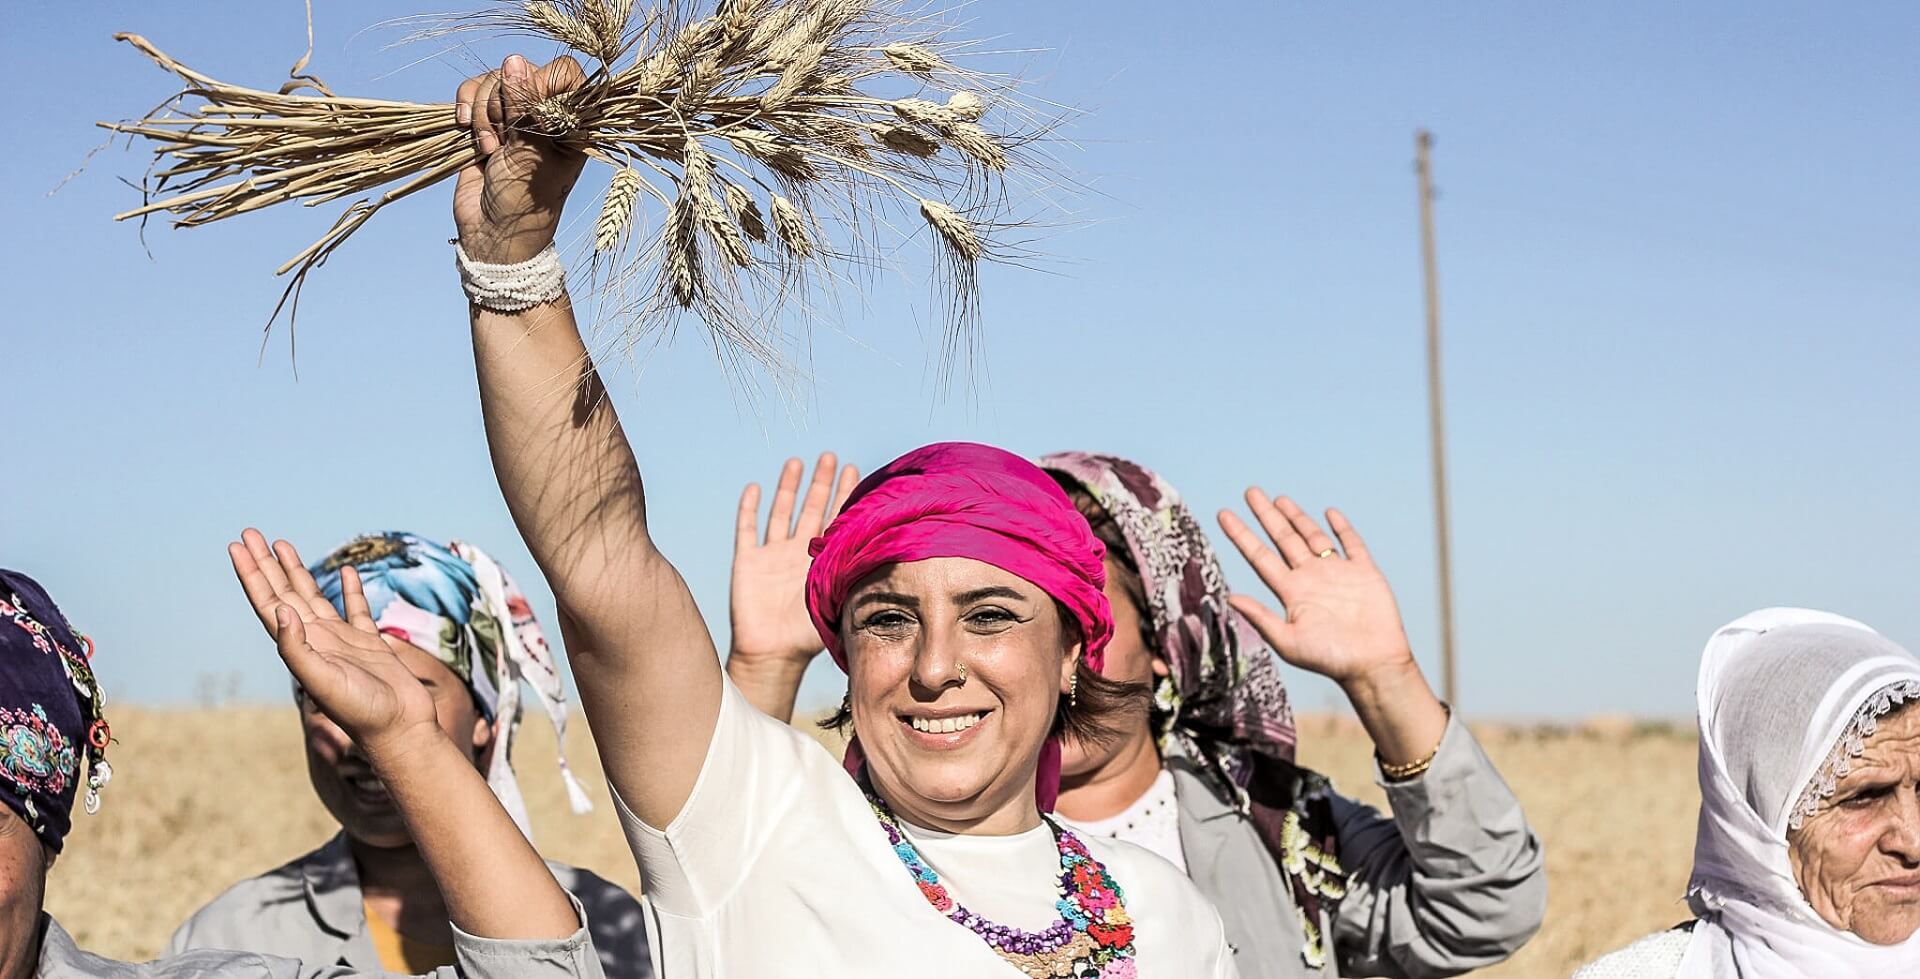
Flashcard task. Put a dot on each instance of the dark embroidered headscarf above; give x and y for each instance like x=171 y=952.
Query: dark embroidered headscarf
x=1224 y=707
x=51 y=712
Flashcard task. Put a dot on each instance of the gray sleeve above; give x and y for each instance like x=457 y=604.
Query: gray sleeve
x=234 y=920
x=616 y=922
x=182 y=937
x=572 y=957
x=1454 y=881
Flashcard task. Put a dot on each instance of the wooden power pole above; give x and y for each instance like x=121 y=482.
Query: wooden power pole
x=1436 y=418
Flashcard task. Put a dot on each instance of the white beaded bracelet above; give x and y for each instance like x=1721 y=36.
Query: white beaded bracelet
x=515 y=287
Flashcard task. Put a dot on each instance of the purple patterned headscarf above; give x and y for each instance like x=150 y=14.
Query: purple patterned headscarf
x=1225 y=707
x=50 y=712
x=1227 y=698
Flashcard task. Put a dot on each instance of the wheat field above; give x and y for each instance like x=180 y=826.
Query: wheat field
x=202 y=798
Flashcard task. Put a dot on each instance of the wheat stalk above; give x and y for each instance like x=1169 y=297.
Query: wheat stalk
x=616 y=212
x=746 y=210
x=563 y=25
x=955 y=230
x=827 y=109
x=914 y=59
x=791 y=227
x=966 y=106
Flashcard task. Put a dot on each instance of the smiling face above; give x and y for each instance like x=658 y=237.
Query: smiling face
x=344 y=779
x=1857 y=860
x=946 y=753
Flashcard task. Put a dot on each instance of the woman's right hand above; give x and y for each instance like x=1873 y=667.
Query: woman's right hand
x=773 y=636
x=507 y=204
x=344 y=665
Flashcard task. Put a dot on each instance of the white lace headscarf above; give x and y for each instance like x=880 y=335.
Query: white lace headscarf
x=1787 y=698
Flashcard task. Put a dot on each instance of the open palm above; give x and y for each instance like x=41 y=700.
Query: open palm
x=768 y=603
x=345 y=664
x=1340 y=618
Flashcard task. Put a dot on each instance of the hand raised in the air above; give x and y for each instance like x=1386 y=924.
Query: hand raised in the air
x=768 y=601
x=1340 y=618
x=345 y=665
x=507 y=204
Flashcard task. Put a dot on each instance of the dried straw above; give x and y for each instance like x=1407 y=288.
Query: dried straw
x=820 y=108
x=746 y=210
x=792 y=228
x=616 y=212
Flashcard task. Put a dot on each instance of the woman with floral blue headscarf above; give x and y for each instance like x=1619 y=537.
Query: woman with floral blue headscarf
x=364 y=898
x=53 y=721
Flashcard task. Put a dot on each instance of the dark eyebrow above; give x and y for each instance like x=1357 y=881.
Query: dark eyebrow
x=996 y=591
x=886 y=598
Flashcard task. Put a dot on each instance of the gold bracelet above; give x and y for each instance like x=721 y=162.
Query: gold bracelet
x=1414 y=769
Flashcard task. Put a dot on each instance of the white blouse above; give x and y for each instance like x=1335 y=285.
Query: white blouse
x=1152 y=821
x=776 y=866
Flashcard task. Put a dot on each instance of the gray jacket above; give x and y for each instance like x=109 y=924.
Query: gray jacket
x=1454 y=881
x=311 y=910
x=480 y=958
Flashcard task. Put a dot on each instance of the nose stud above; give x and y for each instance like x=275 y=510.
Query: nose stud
x=963 y=674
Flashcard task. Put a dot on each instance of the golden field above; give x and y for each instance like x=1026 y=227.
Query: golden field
x=202 y=798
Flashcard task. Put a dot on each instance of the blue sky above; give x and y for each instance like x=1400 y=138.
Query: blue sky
x=1678 y=276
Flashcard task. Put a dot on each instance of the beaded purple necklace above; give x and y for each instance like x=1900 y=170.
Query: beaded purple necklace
x=1092 y=938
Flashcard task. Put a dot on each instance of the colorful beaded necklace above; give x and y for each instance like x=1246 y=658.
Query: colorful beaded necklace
x=1092 y=938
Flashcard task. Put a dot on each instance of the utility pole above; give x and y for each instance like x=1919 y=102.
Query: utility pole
x=1436 y=418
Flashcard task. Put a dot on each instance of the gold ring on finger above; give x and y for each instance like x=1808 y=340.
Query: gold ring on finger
x=1329 y=552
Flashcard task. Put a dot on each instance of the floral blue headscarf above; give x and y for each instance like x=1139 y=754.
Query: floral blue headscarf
x=51 y=712
x=454 y=603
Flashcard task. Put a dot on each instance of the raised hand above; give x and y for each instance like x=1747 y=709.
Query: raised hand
x=345 y=665
x=507 y=204
x=1341 y=621
x=773 y=637
x=1340 y=618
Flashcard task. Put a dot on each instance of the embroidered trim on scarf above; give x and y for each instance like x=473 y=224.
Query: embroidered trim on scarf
x=1852 y=744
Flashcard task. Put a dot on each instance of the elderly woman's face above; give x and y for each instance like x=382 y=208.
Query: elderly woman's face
x=1858 y=859
x=942 y=747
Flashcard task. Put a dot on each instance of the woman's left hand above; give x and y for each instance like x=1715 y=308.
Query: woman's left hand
x=1341 y=620
x=345 y=665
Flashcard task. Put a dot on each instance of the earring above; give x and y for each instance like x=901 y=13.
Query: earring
x=1164 y=695
x=1073 y=691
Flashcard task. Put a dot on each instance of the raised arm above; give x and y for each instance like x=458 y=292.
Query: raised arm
x=1455 y=880
x=475 y=851
x=773 y=636
x=1340 y=621
x=648 y=674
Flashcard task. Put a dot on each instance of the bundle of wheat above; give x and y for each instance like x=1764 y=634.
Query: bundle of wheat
x=818 y=108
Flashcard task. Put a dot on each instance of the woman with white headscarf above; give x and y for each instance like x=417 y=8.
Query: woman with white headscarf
x=1807 y=859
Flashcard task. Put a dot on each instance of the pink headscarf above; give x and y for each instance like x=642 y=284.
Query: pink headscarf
x=966 y=500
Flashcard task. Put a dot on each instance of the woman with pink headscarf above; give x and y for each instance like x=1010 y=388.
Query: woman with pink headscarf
x=959 y=588
x=1311 y=884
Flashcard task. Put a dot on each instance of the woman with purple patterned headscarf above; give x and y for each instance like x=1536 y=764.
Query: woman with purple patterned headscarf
x=1310 y=883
